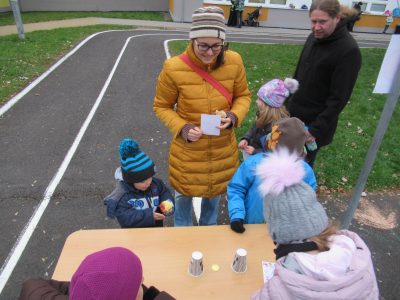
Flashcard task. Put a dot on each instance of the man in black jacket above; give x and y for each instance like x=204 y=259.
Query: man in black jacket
x=327 y=72
x=357 y=16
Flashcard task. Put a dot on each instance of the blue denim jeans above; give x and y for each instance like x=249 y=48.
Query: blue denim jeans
x=183 y=210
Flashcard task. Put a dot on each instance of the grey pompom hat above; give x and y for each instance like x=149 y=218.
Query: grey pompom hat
x=290 y=205
x=294 y=214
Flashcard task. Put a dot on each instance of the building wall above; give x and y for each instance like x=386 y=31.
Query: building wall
x=299 y=18
x=182 y=10
x=171 y=7
x=5 y=6
x=93 y=5
x=367 y=6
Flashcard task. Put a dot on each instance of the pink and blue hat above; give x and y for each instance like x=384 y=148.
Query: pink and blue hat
x=274 y=92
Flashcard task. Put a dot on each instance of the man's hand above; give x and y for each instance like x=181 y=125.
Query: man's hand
x=225 y=122
x=194 y=134
x=309 y=138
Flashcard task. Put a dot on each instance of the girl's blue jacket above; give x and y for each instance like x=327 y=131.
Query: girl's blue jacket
x=244 y=200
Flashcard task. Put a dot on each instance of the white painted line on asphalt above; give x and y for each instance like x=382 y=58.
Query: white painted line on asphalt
x=166 y=46
x=34 y=83
x=29 y=228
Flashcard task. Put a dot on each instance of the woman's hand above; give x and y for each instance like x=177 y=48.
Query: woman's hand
x=309 y=138
x=194 y=134
x=225 y=122
x=249 y=150
x=243 y=144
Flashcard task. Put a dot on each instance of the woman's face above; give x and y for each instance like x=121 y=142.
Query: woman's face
x=208 y=56
x=260 y=104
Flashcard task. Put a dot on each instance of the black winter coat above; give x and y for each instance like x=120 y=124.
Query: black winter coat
x=327 y=72
x=254 y=134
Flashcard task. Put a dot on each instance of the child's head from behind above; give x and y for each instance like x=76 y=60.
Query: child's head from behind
x=137 y=168
x=271 y=97
x=114 y=273
x=291 y=209
x=288 y=133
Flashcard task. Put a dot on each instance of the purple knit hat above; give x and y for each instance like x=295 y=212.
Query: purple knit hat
x=274 y=92
x=114 y=273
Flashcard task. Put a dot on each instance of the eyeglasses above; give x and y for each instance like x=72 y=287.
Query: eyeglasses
x=204 y=47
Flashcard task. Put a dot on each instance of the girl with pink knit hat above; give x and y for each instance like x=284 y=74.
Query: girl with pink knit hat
x=270 y=100
x=113 y=273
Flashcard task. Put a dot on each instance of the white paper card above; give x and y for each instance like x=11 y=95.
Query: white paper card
x=389 y=66
x=268 y=270
x=208 y=123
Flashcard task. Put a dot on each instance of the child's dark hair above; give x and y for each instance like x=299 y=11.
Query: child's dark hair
x=269 y=115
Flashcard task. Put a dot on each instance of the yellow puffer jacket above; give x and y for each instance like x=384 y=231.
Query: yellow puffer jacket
x=202 y=168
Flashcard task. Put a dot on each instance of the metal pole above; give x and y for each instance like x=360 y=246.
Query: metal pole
x=387 y=112
x=17 y=17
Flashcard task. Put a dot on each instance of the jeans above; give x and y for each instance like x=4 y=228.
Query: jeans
x=183 y=210
x=386 y=28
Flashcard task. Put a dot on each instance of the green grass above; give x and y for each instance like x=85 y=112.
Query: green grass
x=343 y=159
x=21 y=61
x=41 y=16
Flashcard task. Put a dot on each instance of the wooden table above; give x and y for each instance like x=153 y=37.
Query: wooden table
x=165 y=254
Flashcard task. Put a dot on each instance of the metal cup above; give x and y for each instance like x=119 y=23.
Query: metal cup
x=196 y=264
x=239 y=264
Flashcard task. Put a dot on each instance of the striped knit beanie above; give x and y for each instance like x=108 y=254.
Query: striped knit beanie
x=136 y=166
x=208 y=22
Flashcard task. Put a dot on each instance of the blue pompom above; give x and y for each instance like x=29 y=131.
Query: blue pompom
x=128 y=148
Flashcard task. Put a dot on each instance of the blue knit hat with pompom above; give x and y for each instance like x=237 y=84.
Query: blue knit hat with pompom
x=136 y=166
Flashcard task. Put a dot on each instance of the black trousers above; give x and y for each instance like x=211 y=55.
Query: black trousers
x=239 y=18
x=232 y=18
x=310 y=157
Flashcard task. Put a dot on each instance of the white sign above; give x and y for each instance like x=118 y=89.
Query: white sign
x=389 y=66
x=209 y=123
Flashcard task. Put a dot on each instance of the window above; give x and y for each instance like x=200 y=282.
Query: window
x=378 y=7
x=257 y=1
x=278 y=2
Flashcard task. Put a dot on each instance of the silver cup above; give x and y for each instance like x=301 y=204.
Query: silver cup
x=239 y=264
x=196 y=264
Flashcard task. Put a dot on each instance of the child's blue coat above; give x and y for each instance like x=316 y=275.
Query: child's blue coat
x=245 y=201
x=135 y=208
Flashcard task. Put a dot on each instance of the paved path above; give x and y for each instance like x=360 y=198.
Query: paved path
x=102 y=93
x=12 y=29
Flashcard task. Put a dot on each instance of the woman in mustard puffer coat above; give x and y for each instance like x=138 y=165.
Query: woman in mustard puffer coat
x=202 y=165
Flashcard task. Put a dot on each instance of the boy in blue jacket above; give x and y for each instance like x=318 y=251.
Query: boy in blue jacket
x=139 y=198
x=245 y=200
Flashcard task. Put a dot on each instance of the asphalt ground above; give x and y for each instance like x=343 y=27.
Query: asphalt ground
x=40 y=130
